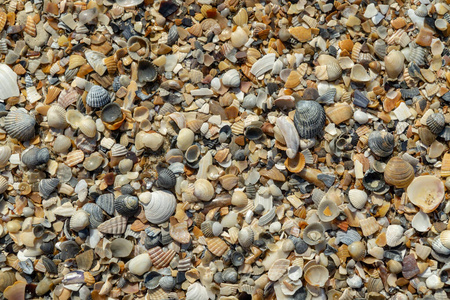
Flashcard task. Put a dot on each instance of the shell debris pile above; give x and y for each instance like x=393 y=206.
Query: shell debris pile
x=236 y=149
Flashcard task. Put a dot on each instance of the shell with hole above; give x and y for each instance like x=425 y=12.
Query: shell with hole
x=314 y=234
x=327 y=210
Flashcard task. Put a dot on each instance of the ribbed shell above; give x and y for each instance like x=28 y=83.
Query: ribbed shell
x=309 y=119
x=116 y=225
x=381 y=143
x=35 y=157
x=161 y=207
x=97 y=97
x=436 y=122
x=47 y=186
x=159 y=258
x=418 y=55
x=3 y=184
x=126 y=205
x=217 y=246
x=56 y=117
x=172 y=36
x=95 y=214
x=166 y=179
x=398 y=173
x=20 y=125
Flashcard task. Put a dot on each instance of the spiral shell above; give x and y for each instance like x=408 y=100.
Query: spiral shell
x=97 y=97
x=79 y=220
x=20 y=125
x=398 y=173
x=126 y=205
x=48 y=186
x=309 y=119
x=166 y=179
x=381 y=143
x=161 y=207
x=436 y=122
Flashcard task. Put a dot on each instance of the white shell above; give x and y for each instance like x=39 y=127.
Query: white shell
x=231 y=78
x=161 y=207
x=357 y=198
x=278 y=269
x=95 y=59
x=424 y=188
x=79 y=220
x=445 y=238
x=56 y=116
x=88 y=127
x=8 y=83
x=263 y=65
x=197 y=291
x=290 y=135
x=203 y=190
x=421 y=222
x=394 y=235
x=5 y=154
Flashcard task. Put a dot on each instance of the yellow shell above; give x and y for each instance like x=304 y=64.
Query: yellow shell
x=76 y=61
x=111 y=64
x=293 y=80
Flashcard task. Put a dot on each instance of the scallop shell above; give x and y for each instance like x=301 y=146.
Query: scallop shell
x=309 y=119
x=68 y=97
x=166 y=178
x=246 y=237
x=56 y=116
x=426 y=192
x=97 y=97
x=241 y=17
x=126 y=205
x=398 y=173
x=3 y=184
x=314 y=234
x=316 y=275
x=116 y=225
x=30 y=26
x=159 y=258
x=48 y=186
x=327 y=210
x=381 y=143
x=231 y=78
x=436 y=122
x=357 y=198
x=216 y=246
x=79 y=220
x=339 y=113
x=161 y=207
x=278 y=268
x=20 y=125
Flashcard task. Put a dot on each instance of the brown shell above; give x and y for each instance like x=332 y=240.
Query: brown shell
x=445 y=168
x=217 y=246
x=111 y=64
x=74 y=158
x=195 y=30
x=116 y=225
x=52 y=94
x=295 y=164
x=3 y=19
x=159 y=258
x=398 y=173
x=30 y=26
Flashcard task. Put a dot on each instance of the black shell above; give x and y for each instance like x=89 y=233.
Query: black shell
x=309 y=119
x=127 y=189
x=126 y=205
x=47 y=186
x=381 y=143
x=166 y=179
x=253 y=133
x=436 y=122
x=20 y=125
x=111 y=113
x=373 y=181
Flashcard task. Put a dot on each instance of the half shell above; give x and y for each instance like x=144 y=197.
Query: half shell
x=398 y=173
x=161 y=207
x=20 y=125
x=309 y=119
x=426 y=192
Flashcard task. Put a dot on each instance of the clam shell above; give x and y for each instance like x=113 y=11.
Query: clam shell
x=166 y=178
x=327 y=210
x=56 y=116
x=142 y=42
x=5 y=154
x=151 y=280
x=327 y=97
x=147 y=71
x=246 y=237
x=67 y=98
x=116 y=225
x=394 y=63
x=62 y=144
x=445 y=238
x=8 y=83
x=436 y=122
x=161 y=207
x=216 y=246
x=19 y=124
x=421 y=222
x=398 y=173
x=231 y=78
x=263 y=65
x=111 y=113
x=97 y=97
x=74 y=118
x=172 y=35
x=278 y=269
x=118 y=150
x=296 y=164
x=347 y=237
x=159 y=258
x=203 y=190
x=48 y=186
x=309 y=119
x=357 y=198
x=74 y=158
x=426 y=192
x=316 y=275
x=192 y=153
x=3 y=184
x=314 y=234
x=381 y=143
x=179 y=232
x=197 y=291
x=357 y=250
x=339 y=113
x=79 y=220
x=241 y=17
x=394 y=235
x=88 y=127
x=126 y=205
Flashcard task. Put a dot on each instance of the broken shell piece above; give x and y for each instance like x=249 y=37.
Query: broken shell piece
x=421 y=222
x=426 y=192
x=314 y=234
x=278 y=269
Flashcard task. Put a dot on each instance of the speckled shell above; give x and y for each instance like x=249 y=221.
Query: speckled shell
x=166 y=179
x=161 y=207
x=20 y=125
x=116 y=225
x=79 y=220
x=381 y=143
x=314 y=234
x=436 y=122
x=278 y=269
x=398 y=173
x=217 y=246
x=97 y=97
x=309 y=119
x=159 y=258
x=126 y=205
x=48 y=186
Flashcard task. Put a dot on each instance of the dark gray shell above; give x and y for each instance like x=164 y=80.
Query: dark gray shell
x=445 y=134
x=95 y=214
x=166 y=179
x=49 y=265
x=172 y=37
x=106 y=202
x=359 y=99
x=309 y=119
x=48 y=186
x=151 y=280
x=436 y=122
x=111 y=113
x=35 y=157
x=373 y=181
x=20 y=125
x=253 y=133
x=237 y=259
x=167 y=283
x=381 y=143
x=97 y=96
x=418 y=55
x=409 y=93
x=328 y=97
x=127 y=189
x=147 y=71
x=126 y=205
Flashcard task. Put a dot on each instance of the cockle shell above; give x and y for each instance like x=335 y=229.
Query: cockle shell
x=316 y=275
x=97 y=97
x=357 y=198
x=246 y=237
x=197 y=291
x=231 y=78
x=398 y=172
x=3 y=184
x=166 y=178
x=217 y=246
x=445 y=238
x=309 y=119
x=327 y=210
x=30 y=26
x=19 y=124
x=88 y=127
x=56 y=116
x=79 y=220
x=436 y=122
x=48 y=186
x=381 y=143
x=314 y=234
x=8 y=83
x=394 y=235
x=161 y=207
x=116 y=225
x=278 y=269
x=426 y=192
x=126 y=205
x=160 y=258
x=394 y=63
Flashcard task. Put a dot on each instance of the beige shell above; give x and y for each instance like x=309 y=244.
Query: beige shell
x=30 y=27
x=394 y=63
x=88 y=127
x=241 y=18
x=179 y=232
x=316 y=275
x=398 y=172
x=62 y=144
x=203 y=190
x=357 y=198
x=76 y=61
x=229 y=181
x=445 y=238
x=74 y=118
x=327 y=210
x=141 y=113
x=339 y=113
x=74 y=158
x=5 y=154
x=357 y=250
x=445 y=167
x=52 y=93
x=278 y=269
x=239 y=37
x=421 y=222
x=116 y=225
x=79 y=220
x=216 y=246
x=56 y=116
x=333 y=69
x=369 y=226
x=426 y=192
x=3 y=184
x=159 y=258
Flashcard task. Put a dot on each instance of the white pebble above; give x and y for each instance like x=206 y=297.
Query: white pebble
x=140 y=264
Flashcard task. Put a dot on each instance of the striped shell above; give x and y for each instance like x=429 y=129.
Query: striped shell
x=30 y=27
x=381 y=143
x=159 y=258
x=106 y=202
x=3 y=184
x=97 y=97
x=126 y=205
x=96 y=216
x=166 y=179
x=309 y=119
x=116 y=225
x=5 y=154
x=278 y=269
x=418 y=55
x=161 y=207
x=20 y=125
x=74 y=158
x=436 y=122
x=398 y=172
x=48 y=186
x=217 y=246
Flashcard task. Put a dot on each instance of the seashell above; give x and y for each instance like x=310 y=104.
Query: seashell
x=239 y=37
x=138 y=45
x=96 y=61
x=192 y=154
x=296 y=164
x=394 y=63
x=74 y=158
x=5 y=154
x=3 y=184
x=436 y=122
x=246 y=237
x=394 y=235
x=237 y=259
x=398 y=173
x=426 y=192
x=339 y=113
x=316 y=275
x=263 y=65
x=161 y=207
x=278 y=268
x=30 y=26
x=203 y=190
x=179 y=232
x=88 y=127
x=327 y=97
x=116 y=225
x=421 y=11
x=357 y=250
x=418 y=56
x=35 y=157
x=151 y=280
x=118 y=150
x=62 y=144
x=49 y=265
x=359 y=74
x=167 y=283
x=380 y=47
x=172 y=35
x=48 y=186
x=111 y=64
x=97 y=97
x=15 y=291
x=267 y=217
x=439 y=247
x=20 y=125
x=111 y=113
x=79 y=220
x=216 y=246
x=197 y=291
x=106 y=202
x=373 y=181
x=348 y=237
x=444 y=237
x=56 y=116
x=159 y=258
x=74 y=118
x=3 y=19
x=333 y=69
x=290 y=135
x=67 y=98
x=360 y=99
x=231 y=78
x=293 y=80
x=327 y=210
x=126 y=205
x=241 y=18
x=381 y=143
x=76 y=61
x=253 y=133
x=166 y=178
x=314 y=234
x=309 y=119
x=421 y=222
x=8 y=83
x=147 y=71
x=95 y=214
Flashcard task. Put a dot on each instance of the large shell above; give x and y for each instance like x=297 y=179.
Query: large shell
x=278 y=268
x=8 y=83
x=97 y=97
x=161 y=207
x=314 y=234
x=126 y=205
x=426 y=192
x=436 y=122
x=327 y=210
x=116 y=225
x=309 y=119
x=48 y=186
x=381 y=143
x=316 y=275
x=79 y=220
x=197 y=291
x=398 y=173
x=20 y=125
